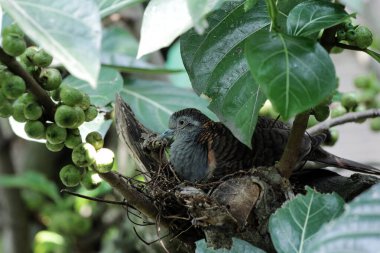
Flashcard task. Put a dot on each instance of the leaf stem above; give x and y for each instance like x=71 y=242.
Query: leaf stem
x=291 y=153
x=41 y=95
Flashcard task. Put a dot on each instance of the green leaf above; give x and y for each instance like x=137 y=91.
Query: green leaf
x=373 y=54
x=118 y=40
x=356 y=230
x=217 y=66
x=284 y=7
x=238 y=246
x=165 y=20
x=67 y=29
x=99 y=124
x=107 y=7
x=128 y=64
x=33 y=181
x=312 y=16
x=295 y=73
x=153 y=102
x=249 y=4
x=109 y=83
x=294 y=224
x=174 y=61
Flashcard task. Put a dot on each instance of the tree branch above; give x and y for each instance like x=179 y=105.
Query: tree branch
x=347 y=118
x=291 y=153
x=41 y=95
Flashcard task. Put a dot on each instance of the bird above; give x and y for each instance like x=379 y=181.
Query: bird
x=202 y=150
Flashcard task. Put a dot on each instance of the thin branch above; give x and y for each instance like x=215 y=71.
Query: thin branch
x=135 y=198
x=347 y=118
x=349 y=47
x=41 y=95
x=291 y=153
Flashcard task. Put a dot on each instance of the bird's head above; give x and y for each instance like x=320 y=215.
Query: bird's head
x=185 y=123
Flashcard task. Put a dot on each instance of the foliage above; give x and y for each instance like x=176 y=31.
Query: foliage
x=235 y=54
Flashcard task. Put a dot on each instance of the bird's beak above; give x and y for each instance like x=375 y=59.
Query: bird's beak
x=168 y=135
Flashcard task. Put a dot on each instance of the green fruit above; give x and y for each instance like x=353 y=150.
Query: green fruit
x=41 y=58
x=32 y=111
x=55 y=94
x=27 y=56
x=71 y=96
x=66 y=116
x=332 y=138
x=91 y=180
x=18 y=112
x=351 y=35
x=83 y=155
x=13 y=87
x=363 y=82
x=80 y=116
x=321 y=112
x=104 y=160
x=341 y=35
x=95 y=139
x=73 y=140
x=12 y=30
x=91 y=113
x=56 y=134
x=85 y=104
x=350 y=100
x=74 y=131
x=26 y=98
x=70 y=175
x=54 y=147
x=50 y=78
x=363 y=38
x=13 y=46
x=6 y=109
x=338 y=110
x=35 y=129
x=375 y=124
x=360 y=108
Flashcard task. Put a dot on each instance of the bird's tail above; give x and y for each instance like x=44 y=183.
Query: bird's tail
x=322 y=156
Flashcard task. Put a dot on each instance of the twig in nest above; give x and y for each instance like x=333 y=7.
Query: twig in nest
x=145 y=223
x=120 y=203
x=149 y=243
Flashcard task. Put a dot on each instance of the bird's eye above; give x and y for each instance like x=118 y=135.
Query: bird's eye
x=181 y=122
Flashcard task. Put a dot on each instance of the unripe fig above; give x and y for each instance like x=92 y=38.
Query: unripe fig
x=321 y=112
x=362 y=82
x=55 y=94
x=104 y=160
x=74 y=131
x=73 y=140
x=91 y=113
x=13 y=87
x=66 y=116
x=54 y=147
x=80 y=116
x=42 y=59
x=18 y=111
x=13 y=46
x=83 y=155
x=341 y=35
x=350 y=35
x=26 y=98
x=360 y=108
x=35 y=129
x=338 y=110
x=363 y=38
x=70 y=175
x=85 y=104
x=95 y=139
x=350 y=100
x=32 y=111
x=375 y=124
x=27 y=56
x=6 y=109
x=90 y=180
x=70 y=96
x=332 y=138
x=12 y=30
x=56 y=134
x=50 y=78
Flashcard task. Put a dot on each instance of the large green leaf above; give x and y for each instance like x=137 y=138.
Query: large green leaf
x=356 y=230
x=33 y=181
x=153 y=102
x=107 y=7
x=118 y=40
x=67 y=29
x=217 y=66
x=294 y=224
x=174 y=61
x=295 y=73
x=165 y=20
x=109 y=83
x=284 y=7
x=312 y=16
x=238 y=246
